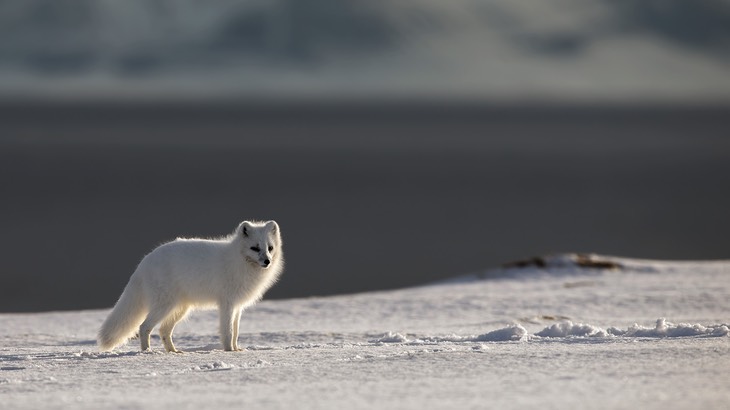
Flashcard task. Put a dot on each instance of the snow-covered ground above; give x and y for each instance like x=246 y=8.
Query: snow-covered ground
x=618 y=333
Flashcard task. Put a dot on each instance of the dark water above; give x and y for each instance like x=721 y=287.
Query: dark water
x=368 y=196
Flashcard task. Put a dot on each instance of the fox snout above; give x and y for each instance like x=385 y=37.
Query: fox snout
x=264 y=262
x=264 y=259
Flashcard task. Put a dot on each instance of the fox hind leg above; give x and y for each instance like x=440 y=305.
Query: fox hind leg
x=168 y=325
x=155 y=316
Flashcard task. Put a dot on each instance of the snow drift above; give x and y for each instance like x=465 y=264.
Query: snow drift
x=569 y=329
x=662 y=329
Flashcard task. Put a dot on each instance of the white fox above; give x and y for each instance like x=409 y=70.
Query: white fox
x=231 y=273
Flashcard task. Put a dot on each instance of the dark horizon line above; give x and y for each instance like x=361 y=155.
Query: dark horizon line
x=348 y=109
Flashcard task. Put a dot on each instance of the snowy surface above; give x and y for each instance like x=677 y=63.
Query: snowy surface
x=642 y=334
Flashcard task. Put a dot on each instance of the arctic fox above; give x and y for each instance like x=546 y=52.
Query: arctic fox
x=231 y=273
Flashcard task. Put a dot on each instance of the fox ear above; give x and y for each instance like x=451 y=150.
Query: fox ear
x=272 y=226
x=245 y=227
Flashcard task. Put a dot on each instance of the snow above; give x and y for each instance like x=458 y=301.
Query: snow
x=662 y=329
x=632 y=334
x=665 y=329
x=566 y=329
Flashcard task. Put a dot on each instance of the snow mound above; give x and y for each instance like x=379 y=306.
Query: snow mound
x=667 y=329
x=661 y=329
x=571 y=264
x=218 y=365
x=391 y=337
x=568 y=328
x=509 y=333
x=569 y=260
x=565 y=329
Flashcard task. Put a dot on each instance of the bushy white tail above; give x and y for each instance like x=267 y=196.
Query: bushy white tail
x=124 y=320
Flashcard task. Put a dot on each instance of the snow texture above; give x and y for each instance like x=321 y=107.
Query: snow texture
x=539 y=335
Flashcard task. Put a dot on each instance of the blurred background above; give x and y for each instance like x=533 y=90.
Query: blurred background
x=396 y=142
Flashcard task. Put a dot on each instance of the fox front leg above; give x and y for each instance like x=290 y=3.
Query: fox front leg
x=236 y=322
x=227 y=314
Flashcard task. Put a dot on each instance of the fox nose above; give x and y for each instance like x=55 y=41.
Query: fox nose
x=267 y=262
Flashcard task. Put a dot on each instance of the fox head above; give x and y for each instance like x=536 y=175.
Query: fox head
x=261 y=242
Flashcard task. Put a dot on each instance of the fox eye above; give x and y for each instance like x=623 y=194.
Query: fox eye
x=271 y=248
x=256 y=249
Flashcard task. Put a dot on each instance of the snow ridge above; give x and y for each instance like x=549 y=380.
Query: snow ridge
x=660 y=330
x=666 y=329
x=568 y=329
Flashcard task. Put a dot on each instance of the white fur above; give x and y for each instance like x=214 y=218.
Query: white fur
x=196 y=273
